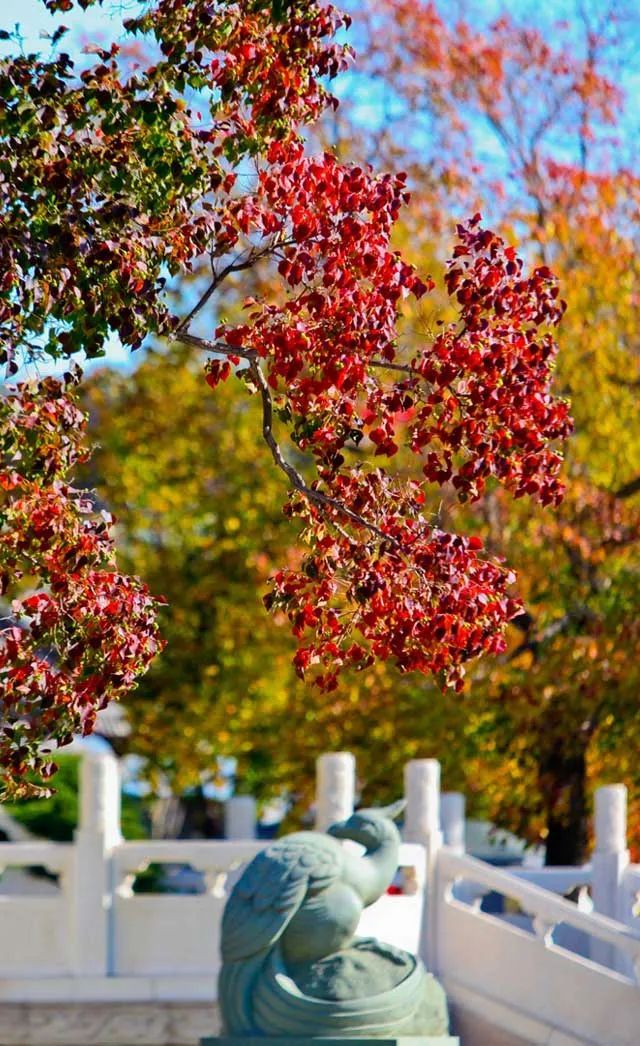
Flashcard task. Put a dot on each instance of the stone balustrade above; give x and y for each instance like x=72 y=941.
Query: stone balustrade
x=89 y=937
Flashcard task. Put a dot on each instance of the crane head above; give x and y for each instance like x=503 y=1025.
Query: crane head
x=369 y=826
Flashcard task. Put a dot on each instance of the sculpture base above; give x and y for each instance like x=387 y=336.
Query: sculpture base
x=303 y=1040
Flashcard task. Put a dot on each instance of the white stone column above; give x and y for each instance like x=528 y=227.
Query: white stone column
x=335 y=788
x=97 y=834
x=452 y=818
x=240 y=816
x=609 y=863
x=422 y=825
x=422 y=792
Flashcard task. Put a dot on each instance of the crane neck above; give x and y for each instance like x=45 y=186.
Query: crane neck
x=380 y=863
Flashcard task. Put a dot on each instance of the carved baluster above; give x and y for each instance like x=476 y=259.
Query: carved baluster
x=544 y=928
x=124 y=888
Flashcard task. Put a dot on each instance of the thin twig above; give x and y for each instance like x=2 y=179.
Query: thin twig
x=405 y=368
x=253 y=257
x=628 y=489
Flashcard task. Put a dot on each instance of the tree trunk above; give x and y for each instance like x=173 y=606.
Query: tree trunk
x=563 y=779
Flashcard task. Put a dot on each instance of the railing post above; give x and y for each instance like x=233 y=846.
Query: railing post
x=335 y=788
x=452 y=817
x=97 y=834
x=422 y=825
x=608 y=865
x=240 y=817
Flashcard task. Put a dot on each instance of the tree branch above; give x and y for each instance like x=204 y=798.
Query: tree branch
x=221 y=347
x=234 y=266
x=624 y=383
x=580 y=617
x=294 y=477
x=628 y=489
x=405 y=368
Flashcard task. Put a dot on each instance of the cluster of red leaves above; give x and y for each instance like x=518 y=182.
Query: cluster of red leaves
x=267 y=70
x=478 y=396
x=330 y=226
x=86 y=634
x=474 y=403
x=490 y=411
x=413 y=593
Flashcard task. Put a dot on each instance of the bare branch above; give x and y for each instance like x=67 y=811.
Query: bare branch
x=220 y=347
x=236 y=265
x=405 y=368
x=624 y=383
x=579 y=617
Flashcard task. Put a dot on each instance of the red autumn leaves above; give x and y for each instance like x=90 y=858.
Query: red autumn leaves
x=87 y=631
x=418 y=596
x=382 y=581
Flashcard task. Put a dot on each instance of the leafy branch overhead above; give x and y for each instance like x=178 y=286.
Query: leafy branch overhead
x=82 y=637
x=116 y=182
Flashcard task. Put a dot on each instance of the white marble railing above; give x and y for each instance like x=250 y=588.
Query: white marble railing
x=92 y=937
x=522 y=975
x=87 y=934
x=156 y=934
x=546 y=909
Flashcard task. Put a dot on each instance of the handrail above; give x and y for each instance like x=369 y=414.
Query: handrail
x=53 y=856
x=209 y=853
x=559 y=879
x=537 y=901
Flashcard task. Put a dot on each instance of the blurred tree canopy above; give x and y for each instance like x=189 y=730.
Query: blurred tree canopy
x=199 y=510
x=527 y=118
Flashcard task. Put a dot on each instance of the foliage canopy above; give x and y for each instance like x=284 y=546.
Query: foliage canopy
x=116 y=179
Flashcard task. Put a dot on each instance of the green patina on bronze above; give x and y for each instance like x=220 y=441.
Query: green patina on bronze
x=291 y=966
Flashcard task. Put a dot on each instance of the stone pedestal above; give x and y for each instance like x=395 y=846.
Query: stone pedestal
x=403 y=1040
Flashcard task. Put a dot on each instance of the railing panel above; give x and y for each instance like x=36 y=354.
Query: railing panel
x=156 y=934
x=526 y=970
x=35 y=938
x=542 y=904
x=161 y=934
x=498 y=962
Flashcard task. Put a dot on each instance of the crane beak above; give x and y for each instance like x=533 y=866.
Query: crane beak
x=392 y=811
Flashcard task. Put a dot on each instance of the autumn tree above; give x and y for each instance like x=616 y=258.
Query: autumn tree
x=117 y=178
x=532 y=119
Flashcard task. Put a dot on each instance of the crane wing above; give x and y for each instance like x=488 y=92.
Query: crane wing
x=271 y=890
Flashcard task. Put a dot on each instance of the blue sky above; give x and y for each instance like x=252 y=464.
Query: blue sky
x=34 y=19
